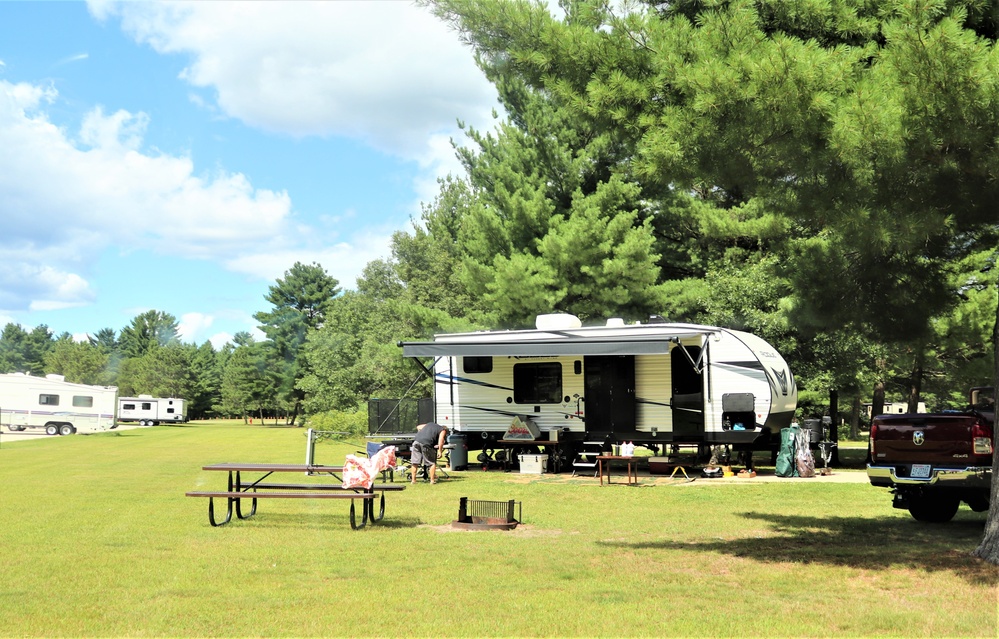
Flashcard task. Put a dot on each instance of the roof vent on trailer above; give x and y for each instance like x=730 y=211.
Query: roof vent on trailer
x=614 y=322
x=55 y=378
x=557 y=321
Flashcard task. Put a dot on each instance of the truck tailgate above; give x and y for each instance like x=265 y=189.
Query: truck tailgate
x=940 y=439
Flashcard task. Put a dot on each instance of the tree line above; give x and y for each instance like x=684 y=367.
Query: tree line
x=821 y=174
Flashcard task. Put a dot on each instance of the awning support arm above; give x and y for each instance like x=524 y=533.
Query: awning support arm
x=698 y=365
x=428 y=371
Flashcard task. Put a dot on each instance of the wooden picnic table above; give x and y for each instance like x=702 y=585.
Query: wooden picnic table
x=630 y=460
x=238 y=489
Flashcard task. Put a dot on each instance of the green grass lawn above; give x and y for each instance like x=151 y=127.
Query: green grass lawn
x=99 y=540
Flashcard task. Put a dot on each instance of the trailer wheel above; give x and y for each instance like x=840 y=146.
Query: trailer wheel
x=12 y=428
x=51 y=429
x=932 y=508
x=66 y=429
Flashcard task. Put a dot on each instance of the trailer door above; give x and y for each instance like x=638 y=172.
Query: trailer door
x=609 y=392
x=688 y=395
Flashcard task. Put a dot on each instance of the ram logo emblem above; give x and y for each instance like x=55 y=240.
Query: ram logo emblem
x=918 y=438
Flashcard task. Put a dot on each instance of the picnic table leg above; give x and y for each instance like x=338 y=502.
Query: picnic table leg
x=239 y=510
x=211 y=512
x=364 y=516
x=381 y=509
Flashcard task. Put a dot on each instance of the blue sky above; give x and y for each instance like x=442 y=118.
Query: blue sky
x=182 y=156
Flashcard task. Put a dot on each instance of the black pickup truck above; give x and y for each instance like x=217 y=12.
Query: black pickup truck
x=934 y=461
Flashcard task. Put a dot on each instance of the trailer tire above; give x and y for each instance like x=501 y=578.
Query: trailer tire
x=12 y=428
x=51 y=429
x=66 y=429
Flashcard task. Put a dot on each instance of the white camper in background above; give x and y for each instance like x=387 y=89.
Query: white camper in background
x=656 y=383
x=150 y=411
x=58 y=406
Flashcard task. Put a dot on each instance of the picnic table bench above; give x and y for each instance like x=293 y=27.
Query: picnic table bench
x=238 y=489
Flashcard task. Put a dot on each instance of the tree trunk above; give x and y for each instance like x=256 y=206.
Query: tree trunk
x=834 y=425
x=878 y=401
x=989 y=548
x=916 y=382
x=855 y=418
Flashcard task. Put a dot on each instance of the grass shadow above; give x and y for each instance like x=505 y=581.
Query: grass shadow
x=333 y=520
x=856 y=542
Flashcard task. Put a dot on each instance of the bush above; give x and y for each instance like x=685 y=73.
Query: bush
x=353 y=423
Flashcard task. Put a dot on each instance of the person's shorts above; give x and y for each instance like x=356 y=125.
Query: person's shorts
x=423 y=455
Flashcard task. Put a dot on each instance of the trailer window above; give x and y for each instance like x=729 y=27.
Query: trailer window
x=537 y=383
x=128 y=406
x=48 y=400
x=83 y=401
x=483 y=364
x=146 y=406
x=170 y=411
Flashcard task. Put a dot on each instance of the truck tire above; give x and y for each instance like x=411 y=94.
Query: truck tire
x=66 y=429
x=933 y=508
x=51 y=429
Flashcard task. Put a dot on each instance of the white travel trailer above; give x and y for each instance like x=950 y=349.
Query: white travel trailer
x=150 y=411
x=655 y=384
x=58 y=406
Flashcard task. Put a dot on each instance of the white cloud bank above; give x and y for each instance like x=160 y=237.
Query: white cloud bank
x=389 y=74
x=385 y=73
x=65 y=200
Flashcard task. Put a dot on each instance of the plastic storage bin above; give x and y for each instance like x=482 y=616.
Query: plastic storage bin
x=533 y=464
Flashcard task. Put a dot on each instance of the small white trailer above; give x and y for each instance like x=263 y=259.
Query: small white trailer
x=655 y=384
x=52 y=403
x=150 y=411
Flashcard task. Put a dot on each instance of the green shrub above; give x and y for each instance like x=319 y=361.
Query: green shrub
x=354 y=422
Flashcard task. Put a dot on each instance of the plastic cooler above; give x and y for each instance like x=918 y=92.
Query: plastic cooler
x=533 y=464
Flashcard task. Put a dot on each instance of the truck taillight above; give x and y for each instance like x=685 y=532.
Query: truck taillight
x=870 y=439
x=981 y=439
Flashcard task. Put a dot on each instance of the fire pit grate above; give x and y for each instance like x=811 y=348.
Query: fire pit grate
x=476 y=514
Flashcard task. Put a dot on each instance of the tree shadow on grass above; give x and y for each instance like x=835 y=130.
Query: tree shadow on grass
x=337 y=520
x=857 y=542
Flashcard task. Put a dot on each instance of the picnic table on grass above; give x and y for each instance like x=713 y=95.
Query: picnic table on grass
x=238 y=489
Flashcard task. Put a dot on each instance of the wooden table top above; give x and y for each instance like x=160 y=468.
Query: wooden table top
x=274 y=468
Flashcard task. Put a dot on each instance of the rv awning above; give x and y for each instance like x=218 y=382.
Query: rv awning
x=568 y=346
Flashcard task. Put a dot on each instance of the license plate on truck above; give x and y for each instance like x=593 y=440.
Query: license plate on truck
x=920 y=471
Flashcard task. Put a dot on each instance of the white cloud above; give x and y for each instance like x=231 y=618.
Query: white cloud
x=192 y=325
x=343 y=261
x=219 y=340
x=387 y=73
x=73 y=58
x=64 y=200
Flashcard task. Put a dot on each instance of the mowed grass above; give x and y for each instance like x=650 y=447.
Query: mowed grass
x=98 y=539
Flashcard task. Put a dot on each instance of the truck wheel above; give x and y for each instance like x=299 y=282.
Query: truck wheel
x=934 y=509
x=51 y=429
x=978 y=503
x=66 y=429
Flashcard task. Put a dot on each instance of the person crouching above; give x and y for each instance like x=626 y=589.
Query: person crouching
x=427 y=445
